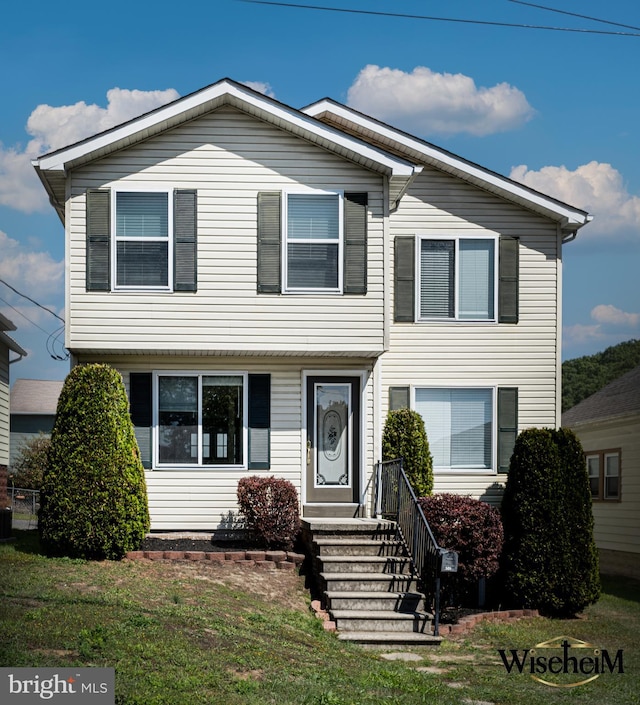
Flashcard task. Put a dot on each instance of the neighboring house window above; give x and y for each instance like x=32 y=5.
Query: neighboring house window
x=313 y=237
x=312 y=242
x=469 y=429
x=439 y=279
x=141 y=240
x=457 y=279
x=201 y=419
x=604 y=474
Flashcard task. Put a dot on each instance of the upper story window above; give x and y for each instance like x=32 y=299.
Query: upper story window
x=312 y=242
x=457 y=279
x=142 y=240
x=604 y=474
x=313 y=236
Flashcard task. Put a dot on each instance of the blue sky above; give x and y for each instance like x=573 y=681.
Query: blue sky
x=556 y=110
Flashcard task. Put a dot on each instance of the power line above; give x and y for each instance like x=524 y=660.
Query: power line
x=19 y=312
x=573 y=14
x=439 y=19
x=28 y=298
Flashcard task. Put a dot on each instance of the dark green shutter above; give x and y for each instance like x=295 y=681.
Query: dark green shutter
x=507 y=425
x=259 y=393
x=404 y=278
x=355 y=243
x=269 y=235
x=98 y=240
x=185 y=240
x=508 y=295
x=140 y=405
x=399 y=398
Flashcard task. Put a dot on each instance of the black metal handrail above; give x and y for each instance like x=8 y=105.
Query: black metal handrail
x=396 y=500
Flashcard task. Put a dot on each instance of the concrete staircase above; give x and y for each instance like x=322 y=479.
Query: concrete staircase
x=365 y=577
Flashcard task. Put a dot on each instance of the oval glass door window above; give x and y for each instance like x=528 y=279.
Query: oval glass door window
x=332 y=432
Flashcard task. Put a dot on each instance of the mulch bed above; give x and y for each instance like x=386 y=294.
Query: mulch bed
x=184 y=544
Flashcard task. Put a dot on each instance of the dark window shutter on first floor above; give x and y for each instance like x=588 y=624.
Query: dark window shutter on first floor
x=259 y=393
x=404 y=279
x=355 y=243
x=508 y=267
x=185 y=240
x=507 y=425
x=269 y=233
x=141 y=410
x=98 y=234
x=399 y=398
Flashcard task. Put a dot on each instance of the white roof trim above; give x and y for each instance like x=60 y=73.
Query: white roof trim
x=12 y=345
x=154 y=121
x=571 y=218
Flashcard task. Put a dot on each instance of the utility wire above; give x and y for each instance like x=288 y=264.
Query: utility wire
x=19 y=312
x=573 y=14
x=28 y=298
x=438 y=19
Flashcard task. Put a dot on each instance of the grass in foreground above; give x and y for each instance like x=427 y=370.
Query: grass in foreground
x=203 y=633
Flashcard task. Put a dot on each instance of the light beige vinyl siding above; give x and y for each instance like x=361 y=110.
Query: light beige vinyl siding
x=617 y=524
x=228 y=157
x=205 y=499
x=460 y=354
x=4 y=404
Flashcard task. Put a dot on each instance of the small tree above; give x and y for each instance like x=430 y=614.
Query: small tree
x=549 y=559
x=93 y=502
x=405 y=437
x=473 y=529
x=30 y=463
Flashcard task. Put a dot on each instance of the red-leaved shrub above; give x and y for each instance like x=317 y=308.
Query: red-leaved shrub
x=270 y=506
x=473 y=529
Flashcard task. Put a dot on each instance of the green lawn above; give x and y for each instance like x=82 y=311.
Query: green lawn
x=192 y=633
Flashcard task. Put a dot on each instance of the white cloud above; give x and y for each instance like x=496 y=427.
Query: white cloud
x=610 y=315
x=426 y=102
x=54 y=127
x=595 y=187
x=260 y=87
x=36 y=274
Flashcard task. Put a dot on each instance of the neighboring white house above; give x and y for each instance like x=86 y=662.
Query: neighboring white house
x=271 y=281
x=7 y=346
x=33 y=411
x=608 y=426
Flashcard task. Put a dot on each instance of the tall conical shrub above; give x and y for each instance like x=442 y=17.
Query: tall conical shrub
x=93 y=498
x=404 y=436
x=549 y=560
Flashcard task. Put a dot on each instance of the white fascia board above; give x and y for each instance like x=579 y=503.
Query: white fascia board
x=12 y=345
x=150 y=124
x=570 y=218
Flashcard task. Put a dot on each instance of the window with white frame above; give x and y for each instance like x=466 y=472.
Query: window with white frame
x=457 y=278
x=603 y=468
x=313 y=242
x=142 y=243
x=200 y=419
x=460 y=426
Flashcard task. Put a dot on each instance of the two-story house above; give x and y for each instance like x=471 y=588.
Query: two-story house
x=270 y=281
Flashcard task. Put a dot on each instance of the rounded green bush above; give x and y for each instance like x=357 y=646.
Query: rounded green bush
x=405 y=437
x=549 y=560
x=93 y=502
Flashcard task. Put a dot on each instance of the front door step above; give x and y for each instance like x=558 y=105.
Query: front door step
x=382 y=638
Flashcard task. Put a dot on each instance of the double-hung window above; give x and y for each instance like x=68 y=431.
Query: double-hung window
x=457 y=278
x=143 y=240
x=604 y=474
x=460 y=426
x=201 y=419
x=313 y=242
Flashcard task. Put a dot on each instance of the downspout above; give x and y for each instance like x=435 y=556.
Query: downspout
x=17 y=359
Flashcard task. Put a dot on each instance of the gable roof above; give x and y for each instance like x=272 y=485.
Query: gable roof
x=415 y=149
x=6 y=324
x=619 y=398
x=35 y=396
x=52 y=168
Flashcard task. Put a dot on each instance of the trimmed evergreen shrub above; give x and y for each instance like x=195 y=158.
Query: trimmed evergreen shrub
x=549 y=560
x=30 y=463
x=270 y=507
x=472 y=528
x=405 y=437
x=93 y=502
